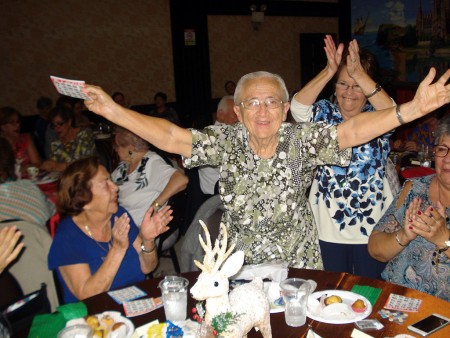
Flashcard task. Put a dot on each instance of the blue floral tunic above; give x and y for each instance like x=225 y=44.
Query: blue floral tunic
x=347 y=202
x=412 y=267
x=267 y=212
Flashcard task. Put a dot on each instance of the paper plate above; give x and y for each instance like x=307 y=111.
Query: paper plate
x=126 y=332
x=338 y=313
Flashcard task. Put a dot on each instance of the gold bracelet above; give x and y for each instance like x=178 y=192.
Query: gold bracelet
x=143 y=250
x=398 y=240
x=156 y=205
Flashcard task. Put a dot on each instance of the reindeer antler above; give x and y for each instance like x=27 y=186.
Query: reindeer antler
x=220 y=249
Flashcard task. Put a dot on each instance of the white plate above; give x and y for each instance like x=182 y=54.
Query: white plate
x=343 y=314
x=272 y=290
x=117 y=316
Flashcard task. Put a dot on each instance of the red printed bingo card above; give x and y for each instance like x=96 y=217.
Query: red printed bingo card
x=68 y=87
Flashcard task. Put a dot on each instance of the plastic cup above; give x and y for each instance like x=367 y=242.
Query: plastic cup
x=295 y=292
x=174 y=296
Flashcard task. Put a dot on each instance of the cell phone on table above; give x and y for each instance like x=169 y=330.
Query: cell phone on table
x=429 y=324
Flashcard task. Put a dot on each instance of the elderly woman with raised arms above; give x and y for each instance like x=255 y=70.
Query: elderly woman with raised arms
x=267 y=164
x=97 y=246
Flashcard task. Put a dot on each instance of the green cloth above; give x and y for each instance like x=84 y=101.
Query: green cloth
x=369 y=292
x=48 y=325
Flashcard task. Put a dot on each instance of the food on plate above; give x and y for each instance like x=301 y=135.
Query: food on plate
x=117 y=325
x=99 y=333
x=107 y=321
x=92 y=321
x=332 y=299
x=359 y=306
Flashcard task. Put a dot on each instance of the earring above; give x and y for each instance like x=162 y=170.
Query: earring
x=130 y=152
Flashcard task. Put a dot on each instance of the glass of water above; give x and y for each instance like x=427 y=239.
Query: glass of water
x=295 y=292
x=174 y=296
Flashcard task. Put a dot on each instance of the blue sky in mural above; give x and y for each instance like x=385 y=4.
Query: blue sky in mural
x=379 y=12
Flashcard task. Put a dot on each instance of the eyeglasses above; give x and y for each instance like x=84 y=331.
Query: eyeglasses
x=57 y=124
x=343 y=86
x=441 y=151
x=255 y=104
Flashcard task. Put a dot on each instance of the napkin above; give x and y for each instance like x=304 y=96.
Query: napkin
x=273 y=271
x=48 y=325
x=369 y=292
x=312 y=334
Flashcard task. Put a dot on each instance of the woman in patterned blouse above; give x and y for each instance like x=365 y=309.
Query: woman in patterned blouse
x=266 y=164
x=73 y=143
x=413 y=236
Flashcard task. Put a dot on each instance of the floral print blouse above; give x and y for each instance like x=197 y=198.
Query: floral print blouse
x=412 y=267
x=266 y=209
x=348 y=201
x=82 y=146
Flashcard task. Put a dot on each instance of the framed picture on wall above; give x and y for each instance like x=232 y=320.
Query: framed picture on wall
x=408 y=37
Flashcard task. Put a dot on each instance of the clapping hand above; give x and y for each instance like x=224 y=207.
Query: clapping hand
x=154 y=224
x=334 y=56
x=354 y=66
x=431 y=224
x=120 y=231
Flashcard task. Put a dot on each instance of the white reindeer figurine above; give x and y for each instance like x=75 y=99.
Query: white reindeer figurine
x=247 y=302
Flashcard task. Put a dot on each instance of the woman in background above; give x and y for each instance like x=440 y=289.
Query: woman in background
x=25 y=152
x=73 y=143
x=143 y=177
x=20 y=200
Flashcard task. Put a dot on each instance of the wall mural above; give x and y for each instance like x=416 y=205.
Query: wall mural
x=407 y=36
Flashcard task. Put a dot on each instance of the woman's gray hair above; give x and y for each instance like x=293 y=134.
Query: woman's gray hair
x=442 y=129
x=125 y=138
x=258 y=75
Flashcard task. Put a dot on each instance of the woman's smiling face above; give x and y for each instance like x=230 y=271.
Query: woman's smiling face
x=263 y=122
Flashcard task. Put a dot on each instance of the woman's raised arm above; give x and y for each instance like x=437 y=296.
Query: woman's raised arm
x=159 y=132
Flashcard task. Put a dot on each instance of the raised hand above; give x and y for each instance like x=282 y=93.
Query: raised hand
x=354 y=66
x=155 y=224
x=429 y=96
x=334 y=56
x=120 y=231
x=100 y=102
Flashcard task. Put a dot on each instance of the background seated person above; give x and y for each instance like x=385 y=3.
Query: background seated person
x=143 y=177
x=73 y=143
x=421 y=132
x=25 y=152
x=266 y=164
x=413 y=236
x=97 y=246
x=20 y=199
x=209 y=175
x=162 y=110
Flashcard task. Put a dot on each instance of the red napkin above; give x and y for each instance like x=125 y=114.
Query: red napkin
x=417 y=172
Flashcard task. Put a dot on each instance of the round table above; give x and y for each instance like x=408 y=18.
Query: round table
x=325 y=281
